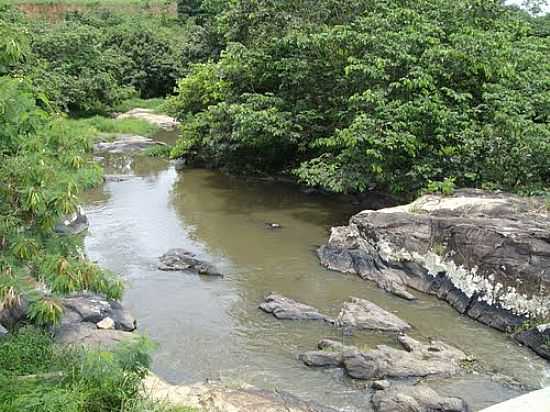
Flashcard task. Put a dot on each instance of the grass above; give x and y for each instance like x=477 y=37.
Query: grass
x=99 y=125
x=153 y=104
x=36 y=375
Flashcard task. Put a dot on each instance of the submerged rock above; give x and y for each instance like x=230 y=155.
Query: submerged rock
x=537 y=338
x=285 y=308
x=487 y=254
x=161 y=120
x=73 y=224
x=330 y=354
x=216 y=398
x=362 y=314
x=126 y=143
x=418 y=398
x=418 y=360
x=182 y=260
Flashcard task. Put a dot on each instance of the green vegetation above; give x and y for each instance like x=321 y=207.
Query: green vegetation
x=156 y=104
x=38 y=376
x=353 y=94
x=99 y=125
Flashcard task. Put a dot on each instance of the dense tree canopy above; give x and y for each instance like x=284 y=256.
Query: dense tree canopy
x=352 y=94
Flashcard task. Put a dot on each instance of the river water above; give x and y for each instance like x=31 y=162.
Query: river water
x=210 y=328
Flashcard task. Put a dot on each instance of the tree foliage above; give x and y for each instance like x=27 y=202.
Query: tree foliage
x=352 y=94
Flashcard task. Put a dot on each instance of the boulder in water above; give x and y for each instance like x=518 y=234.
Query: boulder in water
x=182 y=260
x=285 y=308
x=362 y=314
x=126 y=143
x=73 y=224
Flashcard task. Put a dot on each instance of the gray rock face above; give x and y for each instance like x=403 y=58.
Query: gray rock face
x=417 y=360
x=486 y=254
x=182 y=260
x=93 y=308
x=362 y=314
x=3 y=331
x=180 y=164
x=161 y=120
x=125 y=144
x=285 y=308
x=10 y=316
x=419 y=398
x=537 y=338
x=73 y=224
x=83 y=316
x=88 y=334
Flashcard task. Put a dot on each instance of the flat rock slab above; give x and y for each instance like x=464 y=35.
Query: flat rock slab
x=538 y=401
x=419 y=398
x=126 y=144
x=88 y=334
x=216 y=398
x=417 y=360
x=161 y=120
x=362 y=314
x=285 y=308
x=185 y=261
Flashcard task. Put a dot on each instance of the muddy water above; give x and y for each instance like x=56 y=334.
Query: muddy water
x=212 y=328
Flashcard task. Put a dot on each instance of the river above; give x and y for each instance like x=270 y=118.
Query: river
x=212 y=328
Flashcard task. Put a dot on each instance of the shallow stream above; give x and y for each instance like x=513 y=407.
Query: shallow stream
x=212 y=328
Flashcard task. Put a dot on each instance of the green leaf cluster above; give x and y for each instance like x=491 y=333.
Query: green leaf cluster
x=348 y=95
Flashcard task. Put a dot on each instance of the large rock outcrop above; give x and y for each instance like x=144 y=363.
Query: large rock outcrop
x=217 y=398
x=487 y=254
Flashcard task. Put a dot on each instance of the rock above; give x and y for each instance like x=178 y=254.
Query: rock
x=323 y=359
x=180 y=164
x=273 y=226
x=380 y=385
x=106 y=323
x=285 y=308
x=419 y=398
x=88 y=334
x=3 y=331
x=182 y=260
x=73 y=224
x=418 y=360
x=161 y=120
x=487 y=254
x=216 y=398
x=537 y=338
x=117 y=178
x=14 y=313
x=126 y=144
x=362 y=314
x=88 y=307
